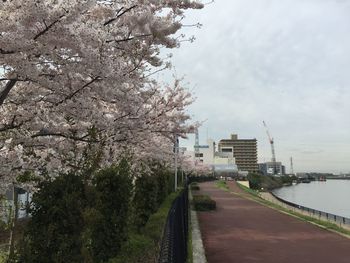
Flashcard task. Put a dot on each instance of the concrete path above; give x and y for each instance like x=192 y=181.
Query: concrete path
x=241 y=230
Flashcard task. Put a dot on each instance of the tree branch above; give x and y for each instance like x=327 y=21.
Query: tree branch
x=47 y=28
x=5 y=92
x=6 y=52
x=78 y=90
x=119 y=15
x=12 y=125
x=74 y=138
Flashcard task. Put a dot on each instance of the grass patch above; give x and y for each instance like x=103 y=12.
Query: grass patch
x=3 y=255
x=144 y=246
x=189 y=244
x=203 y=203
x=325 y=224
x=249 y=190
x=222 y=185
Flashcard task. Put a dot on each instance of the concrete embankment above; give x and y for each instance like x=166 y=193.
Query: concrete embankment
x=242 y=230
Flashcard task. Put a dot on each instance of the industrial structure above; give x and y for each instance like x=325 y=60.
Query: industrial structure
x=270 y=168
x=273 y=159
x=291 y=166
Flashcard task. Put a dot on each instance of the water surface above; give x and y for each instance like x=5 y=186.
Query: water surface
x=332 y=196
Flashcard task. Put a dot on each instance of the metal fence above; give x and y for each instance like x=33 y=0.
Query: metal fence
x=175 y=237
x=341 y=220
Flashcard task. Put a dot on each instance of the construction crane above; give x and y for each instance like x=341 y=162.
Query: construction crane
x=272 y=149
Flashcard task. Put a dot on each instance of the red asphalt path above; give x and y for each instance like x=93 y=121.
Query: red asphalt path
x=241 y=230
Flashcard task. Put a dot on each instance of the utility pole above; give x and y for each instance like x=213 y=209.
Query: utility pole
x=196 y=148
x=176 y=151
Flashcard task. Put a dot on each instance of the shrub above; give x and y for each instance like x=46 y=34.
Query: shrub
x=203 y=203
x=144 y=247
x=164 y=183
x=201 y=178
x=54 y=232
x=150 y=191
x=73 y=221
x=145 y=201
x=255 y=181
x=194 y=187
x=106 y=221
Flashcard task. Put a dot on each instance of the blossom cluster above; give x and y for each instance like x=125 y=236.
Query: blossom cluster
x=76 y=89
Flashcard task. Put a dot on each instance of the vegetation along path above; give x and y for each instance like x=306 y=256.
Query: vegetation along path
x=241 y=230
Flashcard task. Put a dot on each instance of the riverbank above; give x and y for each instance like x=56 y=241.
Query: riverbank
x=330 y=196
x=324 y=220
x=269 y=200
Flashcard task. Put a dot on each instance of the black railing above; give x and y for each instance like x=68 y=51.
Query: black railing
x=175 y=237
x=317 y=213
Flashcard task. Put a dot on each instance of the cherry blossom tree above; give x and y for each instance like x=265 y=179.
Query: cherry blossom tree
x=76 y=88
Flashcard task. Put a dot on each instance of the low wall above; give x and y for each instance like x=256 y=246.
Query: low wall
x=244 y=183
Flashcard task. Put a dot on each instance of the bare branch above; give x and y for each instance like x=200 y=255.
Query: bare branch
x=119 y=15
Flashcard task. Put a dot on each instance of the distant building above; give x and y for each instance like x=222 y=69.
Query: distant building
x=244 y=152
x=221 y=162
x=270 y=168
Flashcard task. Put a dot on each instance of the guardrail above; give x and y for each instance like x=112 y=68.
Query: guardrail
x=341 y=220
x=174 y=243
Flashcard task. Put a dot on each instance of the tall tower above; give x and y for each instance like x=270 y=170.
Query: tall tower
x=291 y=166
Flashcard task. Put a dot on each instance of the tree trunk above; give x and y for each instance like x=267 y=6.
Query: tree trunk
x=5 y=92
x=13 y=225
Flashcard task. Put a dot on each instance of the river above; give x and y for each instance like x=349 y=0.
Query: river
x=332 y=196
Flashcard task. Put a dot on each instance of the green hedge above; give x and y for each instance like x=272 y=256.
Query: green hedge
x=203 y=203
x=143 y=247
x=76 y=218
x=194 y=187
x=201 y=178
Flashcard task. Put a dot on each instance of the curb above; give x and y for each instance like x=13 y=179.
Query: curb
x=197 y=243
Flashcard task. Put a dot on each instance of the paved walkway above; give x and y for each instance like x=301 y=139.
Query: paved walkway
x=242 y=230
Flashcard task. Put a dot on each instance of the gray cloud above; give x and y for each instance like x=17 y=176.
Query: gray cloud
x=283 y=61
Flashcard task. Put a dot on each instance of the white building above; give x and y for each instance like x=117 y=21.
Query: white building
x=221 y=162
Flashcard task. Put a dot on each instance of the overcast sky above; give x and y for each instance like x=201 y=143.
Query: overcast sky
x=283 y=61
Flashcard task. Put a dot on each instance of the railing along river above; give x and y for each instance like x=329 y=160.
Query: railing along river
x=341 y=220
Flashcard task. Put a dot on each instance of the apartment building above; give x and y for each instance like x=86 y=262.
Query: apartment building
x=244 y=152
